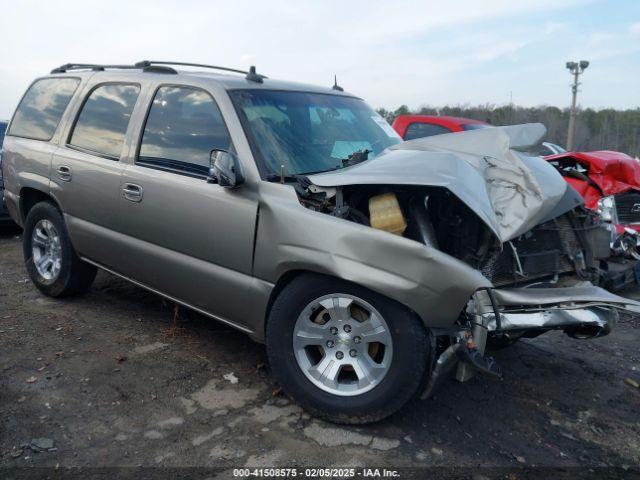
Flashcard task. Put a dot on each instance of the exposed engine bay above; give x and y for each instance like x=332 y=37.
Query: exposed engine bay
x=571 y=244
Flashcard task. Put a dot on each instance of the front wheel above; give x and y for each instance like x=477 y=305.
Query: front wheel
x=51 y=261
x=344 y=353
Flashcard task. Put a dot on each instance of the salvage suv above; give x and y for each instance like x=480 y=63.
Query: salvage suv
x=372 y=268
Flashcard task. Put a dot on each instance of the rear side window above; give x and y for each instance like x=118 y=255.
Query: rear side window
x=103 y=121
x=183 y=126
x=419 y=130
x=42 y=107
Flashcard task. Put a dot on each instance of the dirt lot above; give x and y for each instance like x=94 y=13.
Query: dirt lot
x=107 y=381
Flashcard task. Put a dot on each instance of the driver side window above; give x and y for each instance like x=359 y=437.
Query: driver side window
x=183 y=126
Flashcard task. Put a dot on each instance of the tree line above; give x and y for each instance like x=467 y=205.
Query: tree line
x=605 y=129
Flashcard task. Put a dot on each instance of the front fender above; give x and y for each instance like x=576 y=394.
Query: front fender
x=291 y=237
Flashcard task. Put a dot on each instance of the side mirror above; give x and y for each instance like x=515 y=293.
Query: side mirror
x=225 y=169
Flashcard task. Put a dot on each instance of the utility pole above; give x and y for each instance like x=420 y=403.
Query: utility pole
x=576 y=69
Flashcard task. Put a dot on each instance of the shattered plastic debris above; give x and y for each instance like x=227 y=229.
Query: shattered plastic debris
x=40 y=444
x=15 y=452
x=230 y=377
x=632 y=382
x=31 y=379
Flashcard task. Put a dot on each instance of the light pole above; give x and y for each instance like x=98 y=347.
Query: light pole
x=576 y=69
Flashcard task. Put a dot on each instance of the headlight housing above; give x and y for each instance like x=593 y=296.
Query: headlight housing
x=607 y=209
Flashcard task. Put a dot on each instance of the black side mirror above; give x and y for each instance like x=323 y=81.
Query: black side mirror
x=224 y=169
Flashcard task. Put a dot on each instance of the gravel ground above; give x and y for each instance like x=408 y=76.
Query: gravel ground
x=111 y=383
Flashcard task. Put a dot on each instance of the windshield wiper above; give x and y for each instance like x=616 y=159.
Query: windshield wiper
x=356 y=157
x=274 y=177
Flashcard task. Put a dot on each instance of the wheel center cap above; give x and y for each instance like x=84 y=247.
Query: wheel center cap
x=344 y=339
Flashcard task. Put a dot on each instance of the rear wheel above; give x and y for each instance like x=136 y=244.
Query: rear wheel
x=345 y=353
x=52 y=263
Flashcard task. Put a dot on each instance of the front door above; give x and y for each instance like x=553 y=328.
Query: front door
x=187 y=238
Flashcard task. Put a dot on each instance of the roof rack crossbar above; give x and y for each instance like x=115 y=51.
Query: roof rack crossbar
x=251 y=74
x=88 y=66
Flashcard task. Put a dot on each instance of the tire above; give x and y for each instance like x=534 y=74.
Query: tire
x=64 y=273
x=406 y=366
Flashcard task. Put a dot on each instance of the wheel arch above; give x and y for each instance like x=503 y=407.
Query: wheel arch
x=30 y=196
x=291 y=275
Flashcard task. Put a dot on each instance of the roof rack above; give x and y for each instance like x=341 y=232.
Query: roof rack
x=155 y=66
x=251 y=75
x=100 y=68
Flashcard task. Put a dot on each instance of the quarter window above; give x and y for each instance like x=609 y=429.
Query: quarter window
x=420 y=130
x=103 y=121
x=183 y=126
x=42 y=107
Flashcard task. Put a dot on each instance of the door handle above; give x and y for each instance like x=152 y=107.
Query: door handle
x=64 y=173
x=132 y=192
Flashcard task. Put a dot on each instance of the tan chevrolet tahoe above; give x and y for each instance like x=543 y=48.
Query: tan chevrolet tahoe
x=372 y=268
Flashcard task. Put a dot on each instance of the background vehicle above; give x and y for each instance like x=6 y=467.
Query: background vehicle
x=548 y=148
x=369 y=266
x=608 y=181
x=419 y=126
x=5 y=219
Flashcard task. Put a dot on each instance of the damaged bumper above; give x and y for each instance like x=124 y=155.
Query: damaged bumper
x=581 y=312
x=580 y=322
x=584 y=311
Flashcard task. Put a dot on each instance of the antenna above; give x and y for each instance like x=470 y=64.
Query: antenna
x=335 y=84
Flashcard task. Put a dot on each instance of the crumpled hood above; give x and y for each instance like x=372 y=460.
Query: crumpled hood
x=485 y=169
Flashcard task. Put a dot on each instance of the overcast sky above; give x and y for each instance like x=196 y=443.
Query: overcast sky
x=388 y=52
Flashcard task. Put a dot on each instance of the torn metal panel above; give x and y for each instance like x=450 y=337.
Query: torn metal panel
x=600 y=319
x=442 y=370
x=510 y=192
x=581 y=323
x=534 y=298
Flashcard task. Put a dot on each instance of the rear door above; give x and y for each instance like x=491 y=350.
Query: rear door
x=86 y=168
x=187 y=238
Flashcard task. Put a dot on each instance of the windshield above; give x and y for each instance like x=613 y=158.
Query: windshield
x=309 y=132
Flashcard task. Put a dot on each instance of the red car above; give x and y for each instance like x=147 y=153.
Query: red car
x=608 y=181
x=418 y=126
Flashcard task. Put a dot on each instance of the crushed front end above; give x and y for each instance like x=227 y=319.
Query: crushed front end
x=511 y=217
